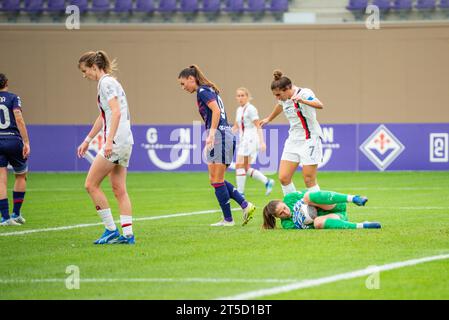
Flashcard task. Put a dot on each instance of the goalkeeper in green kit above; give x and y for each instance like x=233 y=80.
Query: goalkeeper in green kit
x=314 y=210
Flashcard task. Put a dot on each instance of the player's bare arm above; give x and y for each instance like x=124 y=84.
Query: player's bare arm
x=115 y=120
x=276 y=111
x=23 y=132
x=98 y=124
x=315 y=103
x=213 y=128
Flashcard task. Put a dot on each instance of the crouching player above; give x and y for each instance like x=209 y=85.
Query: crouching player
x=294 y=209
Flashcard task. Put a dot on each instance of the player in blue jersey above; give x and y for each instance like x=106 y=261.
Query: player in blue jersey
x=14 y=149
x=220 y=142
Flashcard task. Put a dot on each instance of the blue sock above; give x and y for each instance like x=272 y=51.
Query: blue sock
x=18 y=200
x=4 y=208
x=234 y=194
x=222 y=194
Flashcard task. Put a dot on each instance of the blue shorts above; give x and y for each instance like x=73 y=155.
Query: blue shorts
x=224 y=148
x=11 y=152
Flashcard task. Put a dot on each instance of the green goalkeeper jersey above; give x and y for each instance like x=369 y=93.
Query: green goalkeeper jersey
x=292 y=199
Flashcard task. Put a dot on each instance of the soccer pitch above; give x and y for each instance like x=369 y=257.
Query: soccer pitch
x=179 y=256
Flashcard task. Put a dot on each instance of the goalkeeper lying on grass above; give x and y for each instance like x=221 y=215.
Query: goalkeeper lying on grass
x=319 y=210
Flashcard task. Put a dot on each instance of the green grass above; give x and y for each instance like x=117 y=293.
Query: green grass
x=413 y=208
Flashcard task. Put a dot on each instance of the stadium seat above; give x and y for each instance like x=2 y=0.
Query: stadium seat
x=123 y=6
x=167 y=8
x=83 y=5
x=277 y=8
x=256 y=8
x=383 y=5
x=34 y=9
x=56 y=6
x=425 y=5
x=402 y=5
x=100 y=6
x=212 y=6
x=189 y=8
x=444 y=4
x=146 y=6
x=211 y=9
x=234 y=6
x=357 y=7
x=11 y=6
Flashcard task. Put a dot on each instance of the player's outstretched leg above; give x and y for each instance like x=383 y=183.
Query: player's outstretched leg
x=330 y=197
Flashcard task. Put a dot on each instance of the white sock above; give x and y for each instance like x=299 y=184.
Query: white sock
x=359 y=225
x=350 y=197
x=314 y=188
x=256 y=174
x=240 y=177
x=127 y=225
x=108 y=220
x=288 y=188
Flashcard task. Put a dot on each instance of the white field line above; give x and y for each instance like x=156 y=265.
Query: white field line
x=168 y=216
x=248 y=188
x=338 y=277
x=149 y=280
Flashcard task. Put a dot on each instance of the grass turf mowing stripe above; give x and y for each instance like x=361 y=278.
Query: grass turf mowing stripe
x=168 y=216
x=339 y=277
x=137 y=280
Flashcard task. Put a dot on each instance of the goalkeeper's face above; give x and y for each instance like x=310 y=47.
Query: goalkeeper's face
x=283 y=211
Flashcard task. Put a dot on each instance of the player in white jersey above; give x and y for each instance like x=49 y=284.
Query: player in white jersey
x=303 y=144
x=114 y=157
x=250 y=142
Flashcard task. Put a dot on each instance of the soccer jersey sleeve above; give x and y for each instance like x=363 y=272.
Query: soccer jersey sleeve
x=16 y=103
x=108 y=88
x=291 y=199
x=206 y=96
x=307 y=94
x=287 y=224
x=252 y=113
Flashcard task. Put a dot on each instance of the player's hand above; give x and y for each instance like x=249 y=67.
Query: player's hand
x=26 y=150
x=108 y=149
x=210 y=141
x=82 y=149
x=263 y=147
x=264 y=122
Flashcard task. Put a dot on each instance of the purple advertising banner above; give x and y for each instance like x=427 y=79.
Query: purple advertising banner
x=346 y=147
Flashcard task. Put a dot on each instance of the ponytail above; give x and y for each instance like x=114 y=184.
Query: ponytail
x=269 y=214
x=199 y=76
x=100 y=59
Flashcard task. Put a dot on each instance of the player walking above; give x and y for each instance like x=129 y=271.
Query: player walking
x=14 y=149
x=220 y=142
x=304 y=139
x=113 y=159
x=250 y=142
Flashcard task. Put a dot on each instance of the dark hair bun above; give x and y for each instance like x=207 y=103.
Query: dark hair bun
x=277 y=74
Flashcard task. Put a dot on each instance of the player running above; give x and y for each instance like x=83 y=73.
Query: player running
x=251 y=141
x=220 y=142
x=314 y=210
x=304 y=137
x=113 y=158
x=14 y=149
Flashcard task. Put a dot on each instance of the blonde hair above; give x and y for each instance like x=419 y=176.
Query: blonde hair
x=199 y=76
x=100 y=59
x=246 y=91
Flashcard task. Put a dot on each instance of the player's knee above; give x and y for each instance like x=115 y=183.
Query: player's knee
x=309 y=180
x=284 y=180
x=89 y=186
x=306 y=197
x=318 y=223
x=119 y=191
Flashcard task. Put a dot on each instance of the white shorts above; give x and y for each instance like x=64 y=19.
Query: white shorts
x=248 y=147
x=120 y=154
x=306 y=152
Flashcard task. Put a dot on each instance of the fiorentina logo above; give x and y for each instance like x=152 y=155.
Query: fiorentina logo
x=382 y=147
